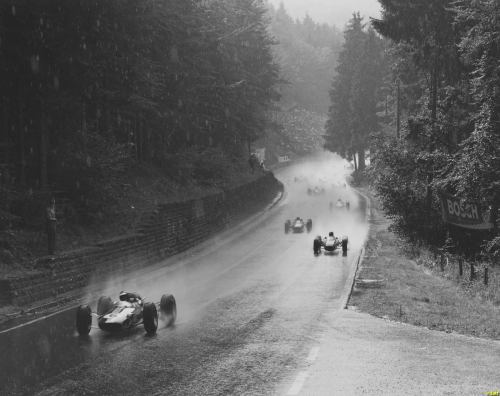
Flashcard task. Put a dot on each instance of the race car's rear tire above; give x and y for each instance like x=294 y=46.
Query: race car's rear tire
x=104 y=305
x=344 y=245
x=150 y=318
x=168 y=307
x=83 y=320
x=317 y=246
x=309 y=225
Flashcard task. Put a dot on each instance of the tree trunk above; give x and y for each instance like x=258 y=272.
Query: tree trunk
x=22 y=151
x=398 y=110
x=84 y=126
x=433 y=102
x=44 y=149
x=136 y=138
x=5 y=129
x=361 y=160
x=494 y=216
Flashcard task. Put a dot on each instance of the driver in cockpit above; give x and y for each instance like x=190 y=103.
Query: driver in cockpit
x=131 y=297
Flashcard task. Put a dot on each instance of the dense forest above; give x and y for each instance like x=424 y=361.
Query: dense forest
x=112 y=106
x=307 y=53
x=429 y=117
x=356 y=93
x=89 y=89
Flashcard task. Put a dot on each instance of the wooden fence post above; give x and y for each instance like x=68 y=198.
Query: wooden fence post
x=486 y=276
x=441 y=262
x=472 y=271
x=461 y=266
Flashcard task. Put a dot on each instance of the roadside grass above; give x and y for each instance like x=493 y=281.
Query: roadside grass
x=398 y=282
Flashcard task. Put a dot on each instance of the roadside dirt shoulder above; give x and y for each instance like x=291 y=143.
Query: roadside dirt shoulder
x=391 y=285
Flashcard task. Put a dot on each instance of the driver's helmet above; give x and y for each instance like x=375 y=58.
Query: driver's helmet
x=330 y=234
x=123 y=296
x=130 y=297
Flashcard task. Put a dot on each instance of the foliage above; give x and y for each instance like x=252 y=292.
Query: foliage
x=355 y=92
x=307 y=52
x=402 y=188
x=124 y=83
x=451 y=138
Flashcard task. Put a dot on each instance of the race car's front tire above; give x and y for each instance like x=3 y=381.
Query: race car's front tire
x=168 y=307
x=83 y=320
x=104 y=305
x=287 y=227
x=150 y=318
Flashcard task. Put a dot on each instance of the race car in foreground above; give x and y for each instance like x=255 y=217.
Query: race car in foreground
x=126 y=313
x=329 y=244
x=298 y=225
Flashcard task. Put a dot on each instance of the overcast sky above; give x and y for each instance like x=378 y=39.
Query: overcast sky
x=333 y=12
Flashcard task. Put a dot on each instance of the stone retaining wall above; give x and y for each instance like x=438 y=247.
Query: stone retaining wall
x=168 y=230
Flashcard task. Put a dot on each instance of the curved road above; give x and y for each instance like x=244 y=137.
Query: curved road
x=248 y=307
x=257 y=314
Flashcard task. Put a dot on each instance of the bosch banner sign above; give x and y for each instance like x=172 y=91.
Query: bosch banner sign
x=464 y=214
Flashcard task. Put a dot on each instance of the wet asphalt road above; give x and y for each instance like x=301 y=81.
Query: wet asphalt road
x=248 y=309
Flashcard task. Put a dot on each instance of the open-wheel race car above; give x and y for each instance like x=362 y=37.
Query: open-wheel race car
x=329 y=244
x=340 y=204
x=126 y=313
x=315 y=190
x=298 y=225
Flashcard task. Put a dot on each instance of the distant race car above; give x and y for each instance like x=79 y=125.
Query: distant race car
x=298 y=225
x=329 y=244
x=315 y=191
x=340 y=204
x=129 y=311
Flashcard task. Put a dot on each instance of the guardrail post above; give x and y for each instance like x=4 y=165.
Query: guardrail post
x=486 y=276
x=461 y=266
x=472 y=271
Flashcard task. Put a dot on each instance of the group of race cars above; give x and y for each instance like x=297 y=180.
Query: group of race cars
x=131 y=310
x=328 y=244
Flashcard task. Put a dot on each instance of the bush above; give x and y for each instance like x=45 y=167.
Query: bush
x=404 y=191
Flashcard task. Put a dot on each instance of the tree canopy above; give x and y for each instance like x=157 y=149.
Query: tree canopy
x=91 y=87
x=355 y=92
x=445 y=53
x=307 y=52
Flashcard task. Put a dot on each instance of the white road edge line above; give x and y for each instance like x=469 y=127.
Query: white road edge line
x=298 y=384
x=313 y=354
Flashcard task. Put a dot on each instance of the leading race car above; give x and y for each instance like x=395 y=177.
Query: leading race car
x=129 y=311
x=329 y=244
x=298 y=225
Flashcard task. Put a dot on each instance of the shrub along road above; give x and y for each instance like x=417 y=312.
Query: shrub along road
x=391 y=285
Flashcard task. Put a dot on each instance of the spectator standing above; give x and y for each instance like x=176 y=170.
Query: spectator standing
x=252 y=161
x=50 y=215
